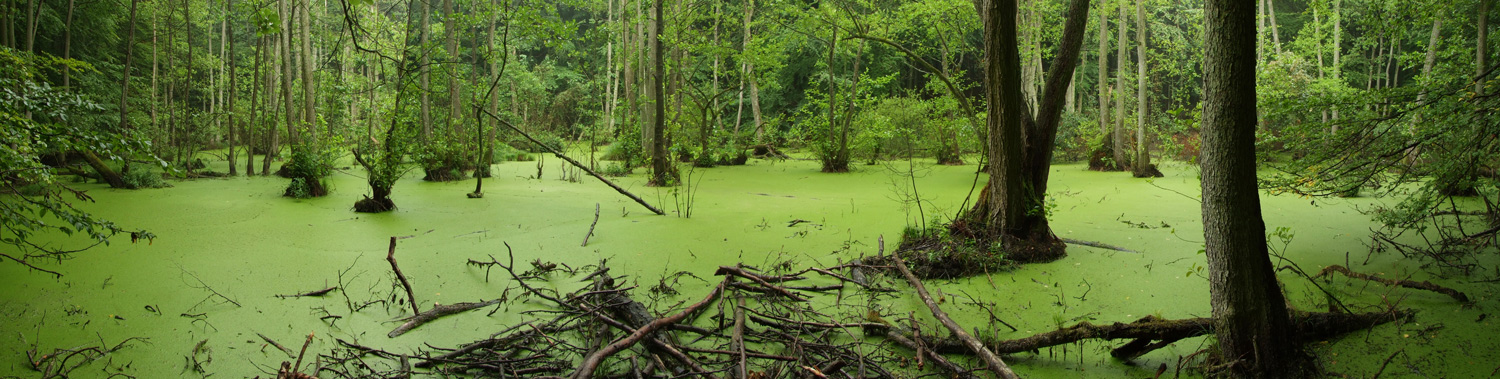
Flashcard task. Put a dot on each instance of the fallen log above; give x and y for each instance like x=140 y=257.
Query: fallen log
x=1422 y=285
x=437 y=312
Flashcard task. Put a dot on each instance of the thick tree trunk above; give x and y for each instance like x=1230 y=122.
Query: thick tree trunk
x=1250 y=314
x=1003 y=93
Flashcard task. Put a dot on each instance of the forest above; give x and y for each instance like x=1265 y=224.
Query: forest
x=749 y=189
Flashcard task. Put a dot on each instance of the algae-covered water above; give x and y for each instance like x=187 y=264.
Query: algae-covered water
x=240 y=238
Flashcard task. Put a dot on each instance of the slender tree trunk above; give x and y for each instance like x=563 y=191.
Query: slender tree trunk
x=1481 y=52
x=450 y=34
x=1143 y=167
x=423 y=74
x=1260 y=30
x=273 y=134
x=652 y=90
x=831 y=163
x=68 y=44
x=1119 y=134
x=285 y=50
x=1250 y=314
x=233 y=93
x=33 y=13
x=257 y=108
x=1103 y=77
x=661 y=165
x=1041 y=135
x=1275 y=31
x=1432 y=46
x=309 y=100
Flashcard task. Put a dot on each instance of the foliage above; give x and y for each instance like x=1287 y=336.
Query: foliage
x=38 y=119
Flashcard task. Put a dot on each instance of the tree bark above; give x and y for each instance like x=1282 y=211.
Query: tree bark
x=1250 y=314
x=68 y=44
x=1275 y=31
x=1002 y=85
x=286 y=72
x=256 y=108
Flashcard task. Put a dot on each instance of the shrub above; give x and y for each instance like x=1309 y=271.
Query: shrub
x=143 y=178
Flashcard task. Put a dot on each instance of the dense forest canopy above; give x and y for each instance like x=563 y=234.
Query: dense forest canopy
x=1393 y=99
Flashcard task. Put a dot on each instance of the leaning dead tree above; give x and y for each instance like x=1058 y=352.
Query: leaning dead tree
x=751 y=323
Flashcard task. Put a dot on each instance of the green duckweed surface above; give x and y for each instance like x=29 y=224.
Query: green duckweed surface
x=242 y=239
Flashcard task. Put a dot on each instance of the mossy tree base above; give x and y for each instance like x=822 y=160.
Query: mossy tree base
x=369 y=205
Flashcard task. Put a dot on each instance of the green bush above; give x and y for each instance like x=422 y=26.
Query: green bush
x=143 y=178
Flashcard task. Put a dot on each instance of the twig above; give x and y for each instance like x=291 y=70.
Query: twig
x=277 y=345
x=580 y=166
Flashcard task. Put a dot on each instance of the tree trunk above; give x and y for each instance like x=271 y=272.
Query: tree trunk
x=1103 y=78
x=426 y=113
x=309 y=105
x=661 y=165
x=256 y=108
x=1252 y=323
x=106 y=173
x=450 y=33
x=286 y=71
x=1143 y=167
x=1481 y=52
x=1119 y=134
x=68 y=45
x=651 y=88
x=1003 y=212
x=229 y=10
x=1275 y=31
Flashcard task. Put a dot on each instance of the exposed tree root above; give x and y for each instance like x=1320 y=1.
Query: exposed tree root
x=1423 y=285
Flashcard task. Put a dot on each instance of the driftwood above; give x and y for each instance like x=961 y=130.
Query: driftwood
x=274 y=343
x=437 y=312
x=315 y=293
x=990 y=359
x=1422 y=285
x=580 y=166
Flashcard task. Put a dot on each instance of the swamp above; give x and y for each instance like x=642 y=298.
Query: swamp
x=749 y=189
